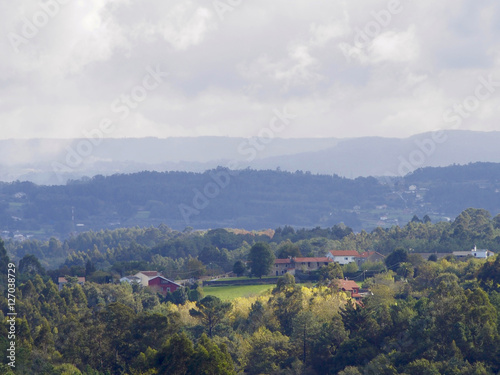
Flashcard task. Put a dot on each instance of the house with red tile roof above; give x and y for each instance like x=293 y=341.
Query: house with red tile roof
x=282 y=266
x=349 y=286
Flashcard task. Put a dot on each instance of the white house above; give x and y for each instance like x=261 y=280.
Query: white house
x=343 y=256
x=475 y=252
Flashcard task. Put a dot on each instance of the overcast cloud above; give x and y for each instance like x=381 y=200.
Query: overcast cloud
x=231 y=63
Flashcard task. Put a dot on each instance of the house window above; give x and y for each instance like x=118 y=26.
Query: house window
x=168 y=289
x=276 y=265
x=308 y=264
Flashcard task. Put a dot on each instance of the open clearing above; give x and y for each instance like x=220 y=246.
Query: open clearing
x=230 y=292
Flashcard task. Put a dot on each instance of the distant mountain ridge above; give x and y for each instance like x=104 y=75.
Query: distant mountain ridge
x=37 y=160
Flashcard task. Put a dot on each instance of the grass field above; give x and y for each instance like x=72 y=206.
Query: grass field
x=244 y=278
x=230 y=292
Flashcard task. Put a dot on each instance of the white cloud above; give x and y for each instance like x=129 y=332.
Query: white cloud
x=226 y=76
x=395 y=47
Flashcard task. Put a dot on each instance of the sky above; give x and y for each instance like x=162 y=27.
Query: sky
x=239 y=68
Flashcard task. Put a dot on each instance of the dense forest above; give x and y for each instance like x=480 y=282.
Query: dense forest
x=180 y=254
x=247 y=199
x=422 y=317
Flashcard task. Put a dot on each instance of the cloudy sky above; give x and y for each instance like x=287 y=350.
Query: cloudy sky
x=225 y=68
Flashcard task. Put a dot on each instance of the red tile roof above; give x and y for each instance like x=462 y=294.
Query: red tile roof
x=282 y=261
x=348 y=285
x=344 y=253
x=316 y=259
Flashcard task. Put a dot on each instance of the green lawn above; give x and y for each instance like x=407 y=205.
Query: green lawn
x=243 y=278
x=230 y=292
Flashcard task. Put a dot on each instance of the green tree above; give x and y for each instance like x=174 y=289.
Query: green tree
x=239 y=268
x=31 y=265
x=287 y=303
x=332 y=271
x=289 y=249
x=210 y=359
x=393 y=260
x=176 y=355
x=261 y=259
x=211 y=311
x=268 y=352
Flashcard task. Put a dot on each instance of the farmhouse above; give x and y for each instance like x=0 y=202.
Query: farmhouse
x=282 y=266
x=145 y=276
x=311 y=264
x=154 y=280
x=475 y=252
x=163 y=285
x=343 y=256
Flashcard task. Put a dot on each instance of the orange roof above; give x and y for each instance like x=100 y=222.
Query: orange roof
x=282 y=261
x=366 y=254
x=344 y=253
x=347 y=285
x=316 y=259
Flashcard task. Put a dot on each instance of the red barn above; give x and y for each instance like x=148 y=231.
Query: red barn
x=163 y=285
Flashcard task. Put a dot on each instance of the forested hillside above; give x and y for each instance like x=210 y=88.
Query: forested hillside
x=246 y=199
x=187 y=253
x=422 y=317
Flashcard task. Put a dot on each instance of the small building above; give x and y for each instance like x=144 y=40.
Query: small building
x=61 y=281
x=311 y=263
x=343 y=256
x=282 y=266
x=163 y=285
x=145 y=276
x=289 y=265
x=475 y=252
x=349 y=286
